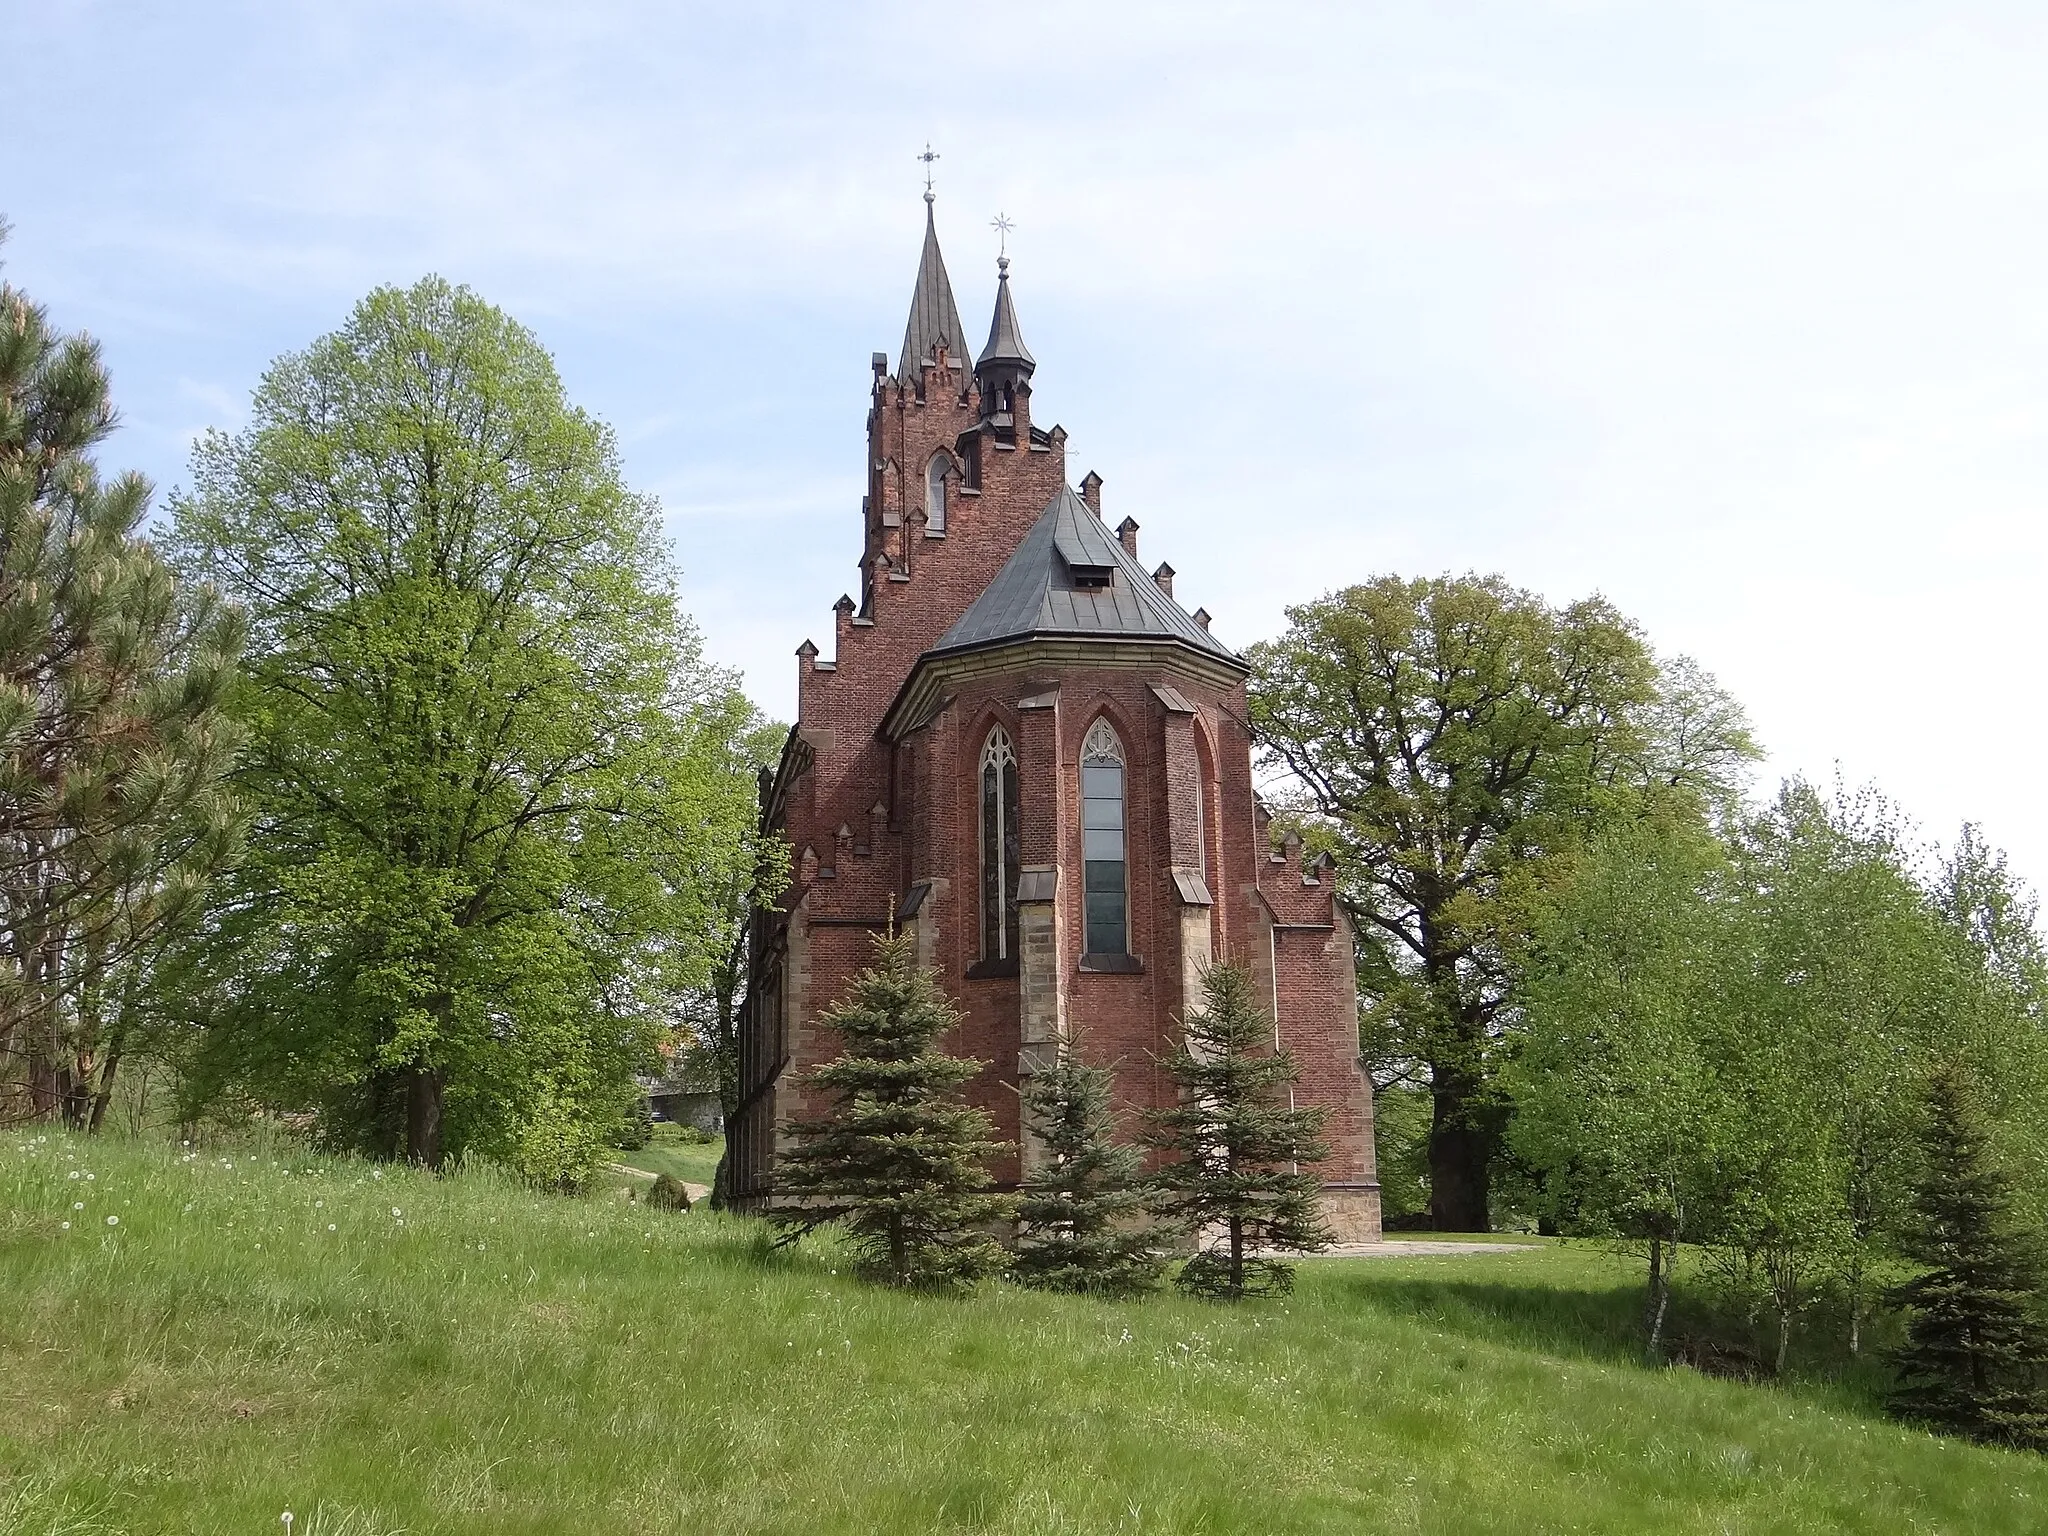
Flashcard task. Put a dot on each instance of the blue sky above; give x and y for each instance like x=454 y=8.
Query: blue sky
x=1734 y=312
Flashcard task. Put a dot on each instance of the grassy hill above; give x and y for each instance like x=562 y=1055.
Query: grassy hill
x=219 y=1336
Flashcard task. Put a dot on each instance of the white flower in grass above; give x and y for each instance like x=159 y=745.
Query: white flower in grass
x=63 y=1226
x=330 y=1226
x=72 y=1174
x=113 y=1221
x=396 y=1211
x=78 y=1205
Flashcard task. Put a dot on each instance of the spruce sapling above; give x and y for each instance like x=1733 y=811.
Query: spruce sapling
x=1235 y=1148
x=1975 y=1351
x=897 y=1161
x=1081 y=1223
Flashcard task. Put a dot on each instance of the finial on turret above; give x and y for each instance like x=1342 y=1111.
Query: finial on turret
x=928 y=157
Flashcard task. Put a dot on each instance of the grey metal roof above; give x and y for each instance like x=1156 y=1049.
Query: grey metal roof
x=1034 y=592
x=1005 y=336
x=933 y=314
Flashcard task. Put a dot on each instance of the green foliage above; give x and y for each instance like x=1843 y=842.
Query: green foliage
x=1725 y=1044
x=1081 y=1208
x=1975 y=1358
x=114 y=739
x=1453 y=741
x=1232 y=1178
x=668 y=1194
x=898 y=1161
x=495 y=780
x=636 y=1129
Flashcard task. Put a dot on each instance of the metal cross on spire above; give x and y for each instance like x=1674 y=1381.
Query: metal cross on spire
x=1002 y=225
x=928 y=157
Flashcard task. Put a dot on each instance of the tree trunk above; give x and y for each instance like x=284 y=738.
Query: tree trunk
x=1236 y=1256
x=1659 y=1299
x=105 y=1091
x=1460 y=1161
x=423 y=1091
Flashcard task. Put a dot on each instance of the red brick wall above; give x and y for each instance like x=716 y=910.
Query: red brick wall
x=1263 y=914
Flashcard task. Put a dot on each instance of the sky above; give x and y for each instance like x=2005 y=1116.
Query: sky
x=1736 y=313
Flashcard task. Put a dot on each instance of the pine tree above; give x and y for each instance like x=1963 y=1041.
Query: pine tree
x=114 y=738
x=1234 y=1178
x=898 y=1161
x=1975 y=1358
x=1080 y=1216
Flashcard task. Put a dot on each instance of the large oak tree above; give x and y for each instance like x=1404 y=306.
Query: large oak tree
x=1451 y=739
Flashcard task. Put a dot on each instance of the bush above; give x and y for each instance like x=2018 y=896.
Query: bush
x=668 y=1194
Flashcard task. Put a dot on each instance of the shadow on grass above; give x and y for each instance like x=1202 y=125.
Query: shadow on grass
x=1603 y=1322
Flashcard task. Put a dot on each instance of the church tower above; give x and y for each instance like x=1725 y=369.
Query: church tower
x=1024 y=750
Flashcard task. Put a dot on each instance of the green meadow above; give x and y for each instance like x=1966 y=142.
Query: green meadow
x=197 y=1340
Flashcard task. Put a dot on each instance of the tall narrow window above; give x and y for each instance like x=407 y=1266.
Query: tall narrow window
x=1102 y=842
x=998 y=848
x=935 y=494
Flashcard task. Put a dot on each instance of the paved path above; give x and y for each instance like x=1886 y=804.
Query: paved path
x=1402 y=1248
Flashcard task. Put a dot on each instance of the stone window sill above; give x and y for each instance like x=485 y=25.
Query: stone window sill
x=1114 y=965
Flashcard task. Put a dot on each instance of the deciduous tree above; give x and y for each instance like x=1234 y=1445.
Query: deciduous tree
x=1455 y=738
x=493 y=772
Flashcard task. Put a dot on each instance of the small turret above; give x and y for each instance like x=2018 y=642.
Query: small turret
x=1005 y=366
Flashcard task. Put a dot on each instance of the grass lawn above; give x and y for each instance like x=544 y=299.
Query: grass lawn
x=380 y=1351
x=691 y=1164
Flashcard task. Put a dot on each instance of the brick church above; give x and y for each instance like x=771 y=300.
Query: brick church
x=1030 y=755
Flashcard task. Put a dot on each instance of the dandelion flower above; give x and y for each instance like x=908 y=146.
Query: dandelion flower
x=63 y=1226
x=330 y=1226
x=396 y=1211
x=78 y=1205
x=113 y=1221
x=72 y=1174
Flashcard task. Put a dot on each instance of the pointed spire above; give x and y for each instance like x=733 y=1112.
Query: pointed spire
x=1005 y=336
x=934 y=316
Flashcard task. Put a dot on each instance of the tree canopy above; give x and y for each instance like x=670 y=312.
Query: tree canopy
x=493 y=776
x=1454 y=739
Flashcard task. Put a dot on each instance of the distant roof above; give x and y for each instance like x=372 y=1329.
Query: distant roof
x=933 y=314
x=1035 y=593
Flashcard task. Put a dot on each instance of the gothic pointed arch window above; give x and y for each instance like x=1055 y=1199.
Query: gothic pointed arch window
x=1104 y=887
x=935 y=493
x=999 y=847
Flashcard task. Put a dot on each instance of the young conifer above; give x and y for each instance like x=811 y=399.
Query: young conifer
x=898 y=1160
x=1081 y=1213
x=1976 y=1353
x=1234 y=1177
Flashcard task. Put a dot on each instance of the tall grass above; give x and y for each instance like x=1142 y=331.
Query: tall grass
x=381 y=1351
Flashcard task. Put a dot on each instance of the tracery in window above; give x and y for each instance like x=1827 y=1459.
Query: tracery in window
x=1104 y=892
x=999 y=847
x=935 y=494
